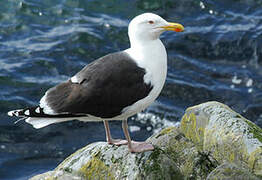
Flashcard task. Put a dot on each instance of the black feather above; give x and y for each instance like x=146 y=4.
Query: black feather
x=105 y=87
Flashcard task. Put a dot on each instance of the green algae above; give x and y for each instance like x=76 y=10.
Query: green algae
x=182 y=151
x=226 y=146
x=191 y=131
x=204 y=163
x=158 y=164
x=255 y=130
x=231 y=171
x=69 y=159
x=192 y=151
x=96 y=169
x=255 y=161
x=220 y=140
x=152 y=164
x=166 y=131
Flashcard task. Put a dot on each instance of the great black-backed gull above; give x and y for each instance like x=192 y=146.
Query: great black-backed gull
x=113 y=87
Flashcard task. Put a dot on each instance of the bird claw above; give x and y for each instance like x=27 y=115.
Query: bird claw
x=140 y=147
x=117 y=142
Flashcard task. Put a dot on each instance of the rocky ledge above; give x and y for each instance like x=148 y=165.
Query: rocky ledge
x=212 y=142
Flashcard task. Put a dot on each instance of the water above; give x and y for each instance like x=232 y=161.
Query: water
x=42 y=43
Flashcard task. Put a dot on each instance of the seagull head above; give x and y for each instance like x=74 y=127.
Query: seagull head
x=149 y=26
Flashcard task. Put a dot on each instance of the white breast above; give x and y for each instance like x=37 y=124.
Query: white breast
x=153 y=58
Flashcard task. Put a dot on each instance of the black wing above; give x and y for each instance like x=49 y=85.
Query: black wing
x=104 y=88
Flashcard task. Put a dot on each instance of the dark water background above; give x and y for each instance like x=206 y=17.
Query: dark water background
x=42 y=43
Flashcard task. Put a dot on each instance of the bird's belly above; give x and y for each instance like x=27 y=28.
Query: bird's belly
x=140 y=105
x=157 y=80
x=155 y=65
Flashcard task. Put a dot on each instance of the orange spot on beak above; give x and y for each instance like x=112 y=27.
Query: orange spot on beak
x=174 y=27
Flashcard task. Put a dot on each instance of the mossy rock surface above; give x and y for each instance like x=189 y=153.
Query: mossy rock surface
x=230 y=171
x=174 y=157
x=225 y=134
x=102 y=161
x=213 y=142
x=192 y=163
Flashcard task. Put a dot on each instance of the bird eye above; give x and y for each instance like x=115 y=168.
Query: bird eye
x=151 y=22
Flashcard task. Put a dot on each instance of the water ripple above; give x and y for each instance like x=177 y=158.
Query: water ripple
x=42 y=43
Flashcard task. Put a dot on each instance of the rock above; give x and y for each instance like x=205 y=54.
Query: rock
x=102 y=161
x=230 y=171
x=212 y=142
x=225 y=134
x=174 y=157
x=191 y=162
x=42 y=176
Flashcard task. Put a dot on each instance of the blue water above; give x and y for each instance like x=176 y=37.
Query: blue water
x=42 y=43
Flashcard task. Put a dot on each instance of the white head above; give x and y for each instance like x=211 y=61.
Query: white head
x=149 y=26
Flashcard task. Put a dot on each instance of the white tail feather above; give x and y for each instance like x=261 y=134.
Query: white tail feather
x=37 y=122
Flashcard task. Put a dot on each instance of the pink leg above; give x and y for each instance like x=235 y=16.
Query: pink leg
x=109 y=139
x=134 y=146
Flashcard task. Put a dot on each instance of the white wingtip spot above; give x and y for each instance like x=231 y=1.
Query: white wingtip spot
x=37 y=110
x=14 y=112
x=27 y=112
x=74 y=79
x=10 y=113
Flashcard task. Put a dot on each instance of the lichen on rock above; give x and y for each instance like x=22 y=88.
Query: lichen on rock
x=230 y=171
x=212 y=142
x=225 y=134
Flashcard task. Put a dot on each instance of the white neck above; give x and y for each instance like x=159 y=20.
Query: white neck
x=153 y=58
x=144 y=51
x=150 y=55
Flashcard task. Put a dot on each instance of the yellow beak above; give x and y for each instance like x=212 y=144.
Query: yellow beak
x=174 y=27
